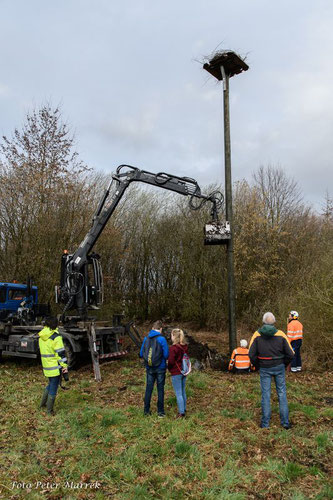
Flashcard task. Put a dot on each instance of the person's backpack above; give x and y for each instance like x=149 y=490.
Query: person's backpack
x=186 y=365
x=152 y=352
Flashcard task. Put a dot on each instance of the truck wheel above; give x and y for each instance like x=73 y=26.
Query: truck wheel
x=70 y=355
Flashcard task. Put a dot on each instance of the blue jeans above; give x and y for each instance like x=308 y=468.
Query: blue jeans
x=179 y=382
x=53 y=385
x=266 y=374
x=152 y=375
x=296 y=362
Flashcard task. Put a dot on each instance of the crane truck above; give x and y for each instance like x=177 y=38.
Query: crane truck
x=81 y=278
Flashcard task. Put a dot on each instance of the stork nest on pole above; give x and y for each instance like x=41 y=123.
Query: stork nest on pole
x=233 y=64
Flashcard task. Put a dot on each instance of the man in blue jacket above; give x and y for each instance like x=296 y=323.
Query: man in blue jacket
x=155 y=352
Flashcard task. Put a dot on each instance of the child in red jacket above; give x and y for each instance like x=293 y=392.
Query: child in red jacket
x=176 y=352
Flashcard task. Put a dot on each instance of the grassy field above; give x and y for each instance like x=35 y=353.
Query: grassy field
x=99 y=435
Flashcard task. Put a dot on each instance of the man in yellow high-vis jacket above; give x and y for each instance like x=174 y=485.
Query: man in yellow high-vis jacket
x=54 y=359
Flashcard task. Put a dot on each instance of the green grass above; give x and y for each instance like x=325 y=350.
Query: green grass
x=322 y=440
x=291 y=471
x=99 y=434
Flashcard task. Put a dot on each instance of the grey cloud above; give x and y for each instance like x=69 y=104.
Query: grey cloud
x=129 y=82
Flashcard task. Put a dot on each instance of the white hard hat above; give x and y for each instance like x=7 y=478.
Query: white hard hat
x=243 y=343
x=294 y=314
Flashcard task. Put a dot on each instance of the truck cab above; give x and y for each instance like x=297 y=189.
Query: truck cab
x=12 y=295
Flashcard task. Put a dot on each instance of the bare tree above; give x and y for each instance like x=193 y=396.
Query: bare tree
x=43 y=196
x=281 y=195
x=327 y=210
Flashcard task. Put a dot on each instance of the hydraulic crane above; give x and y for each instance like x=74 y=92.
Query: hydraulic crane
x=81 y=284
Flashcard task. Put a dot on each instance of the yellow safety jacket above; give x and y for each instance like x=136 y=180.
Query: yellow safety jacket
x=52 y=352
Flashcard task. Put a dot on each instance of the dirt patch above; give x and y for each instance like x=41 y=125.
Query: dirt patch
x=218 y=341
x=202 y=348
x=209 y=349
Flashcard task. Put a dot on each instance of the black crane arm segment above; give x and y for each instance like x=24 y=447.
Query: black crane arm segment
x=181 y=185
x=124 y=176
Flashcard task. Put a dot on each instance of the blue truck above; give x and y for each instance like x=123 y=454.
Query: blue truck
x=17 y=300
x=20 y=318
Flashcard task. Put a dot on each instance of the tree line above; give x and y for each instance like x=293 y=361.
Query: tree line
x=154 y=261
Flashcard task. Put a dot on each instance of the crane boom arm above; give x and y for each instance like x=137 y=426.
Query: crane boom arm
x=76 y=289
x=181 y=185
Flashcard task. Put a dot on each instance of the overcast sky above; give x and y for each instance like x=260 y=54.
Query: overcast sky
x=130 y=83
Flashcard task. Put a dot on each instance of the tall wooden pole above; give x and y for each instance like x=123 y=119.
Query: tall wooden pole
x=223 y=66
x=229 y=214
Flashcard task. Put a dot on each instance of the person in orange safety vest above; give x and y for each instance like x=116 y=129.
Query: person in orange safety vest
x=240 y=361
x=295 y=337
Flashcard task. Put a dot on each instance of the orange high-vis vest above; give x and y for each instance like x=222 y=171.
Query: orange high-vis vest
x=295 y=330
x=240 y=359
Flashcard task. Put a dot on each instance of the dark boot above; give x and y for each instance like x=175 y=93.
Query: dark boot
x=50 y=404
x=44 y=399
